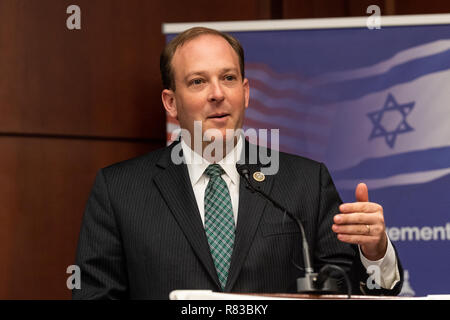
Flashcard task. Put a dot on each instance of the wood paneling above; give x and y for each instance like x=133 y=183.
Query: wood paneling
x=421 y=6
x=44 y=186
x=214 y=10
x=297 y=9
x=293 y=9
x=101 y=80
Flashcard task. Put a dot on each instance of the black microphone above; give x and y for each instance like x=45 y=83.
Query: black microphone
x=311 y=282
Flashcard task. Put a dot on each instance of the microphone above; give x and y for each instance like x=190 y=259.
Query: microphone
x=312 y=282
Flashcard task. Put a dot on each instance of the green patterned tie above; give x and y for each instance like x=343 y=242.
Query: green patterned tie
x=219 y=221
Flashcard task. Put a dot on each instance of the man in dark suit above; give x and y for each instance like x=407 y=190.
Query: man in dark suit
x=153 y=224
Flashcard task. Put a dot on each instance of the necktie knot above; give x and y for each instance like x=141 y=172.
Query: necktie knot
x=214 y=170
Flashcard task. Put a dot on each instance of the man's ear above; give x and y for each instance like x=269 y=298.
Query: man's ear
x=169 y=102
x=246 y=92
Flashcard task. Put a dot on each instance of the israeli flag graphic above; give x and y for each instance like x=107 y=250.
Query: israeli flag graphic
x=401 y=133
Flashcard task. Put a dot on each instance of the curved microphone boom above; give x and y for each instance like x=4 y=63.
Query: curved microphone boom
x=311 y=282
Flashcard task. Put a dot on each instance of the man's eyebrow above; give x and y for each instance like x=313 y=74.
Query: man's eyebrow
x=225 y=70
x=204 y=73
x=195 y=73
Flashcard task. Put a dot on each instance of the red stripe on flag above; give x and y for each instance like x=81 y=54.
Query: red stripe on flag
x=276 y=93
x=271 y=73
x=298 y=134
x=289 y=113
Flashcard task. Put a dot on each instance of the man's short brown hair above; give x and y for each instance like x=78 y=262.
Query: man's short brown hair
x=165 y=62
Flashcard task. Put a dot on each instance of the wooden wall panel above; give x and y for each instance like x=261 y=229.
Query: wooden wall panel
x=421 y=6
x=44 y=186
x=101 y=80
x=293 y=9
x=297 y=9
x=214 y=10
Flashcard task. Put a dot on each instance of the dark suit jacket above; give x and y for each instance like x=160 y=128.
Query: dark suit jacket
x=142 y=235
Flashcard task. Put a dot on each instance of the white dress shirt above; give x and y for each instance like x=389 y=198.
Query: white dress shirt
x=196 y=165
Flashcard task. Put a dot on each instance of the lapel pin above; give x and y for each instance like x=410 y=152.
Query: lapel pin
x=259 y=176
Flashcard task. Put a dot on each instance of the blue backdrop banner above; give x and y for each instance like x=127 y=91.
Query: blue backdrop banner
x=374 y=106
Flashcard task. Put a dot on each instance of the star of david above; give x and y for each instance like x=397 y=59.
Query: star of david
x=402 y=127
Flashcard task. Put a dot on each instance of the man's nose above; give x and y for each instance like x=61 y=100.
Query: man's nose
x=216 y=93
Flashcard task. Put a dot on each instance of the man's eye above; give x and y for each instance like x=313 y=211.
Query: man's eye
x=196 y=82
x=230 y=77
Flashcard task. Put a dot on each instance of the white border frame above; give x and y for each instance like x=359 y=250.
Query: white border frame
x=298 y=24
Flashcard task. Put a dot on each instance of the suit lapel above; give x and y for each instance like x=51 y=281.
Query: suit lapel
x=175 y=187
x=251 y=208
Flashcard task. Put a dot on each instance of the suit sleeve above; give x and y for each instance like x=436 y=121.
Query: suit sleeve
x=329 y=250
x=99 y=254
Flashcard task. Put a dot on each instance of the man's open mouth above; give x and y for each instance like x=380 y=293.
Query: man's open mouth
x=218 y=116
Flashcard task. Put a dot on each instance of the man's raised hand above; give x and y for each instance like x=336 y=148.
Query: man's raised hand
x=362 y=223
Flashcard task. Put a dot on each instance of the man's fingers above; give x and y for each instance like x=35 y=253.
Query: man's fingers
x=362 y=222
x=357 y=218
x=357 y=229
x=362 y=193
x=357 y=239
x=360 y=207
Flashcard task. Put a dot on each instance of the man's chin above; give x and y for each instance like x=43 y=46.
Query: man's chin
x=216 y=146
x=225 y=134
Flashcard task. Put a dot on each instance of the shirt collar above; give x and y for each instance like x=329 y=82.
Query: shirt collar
x=197 y=165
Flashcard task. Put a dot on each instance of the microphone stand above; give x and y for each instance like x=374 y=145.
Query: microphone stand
x=311 y=283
